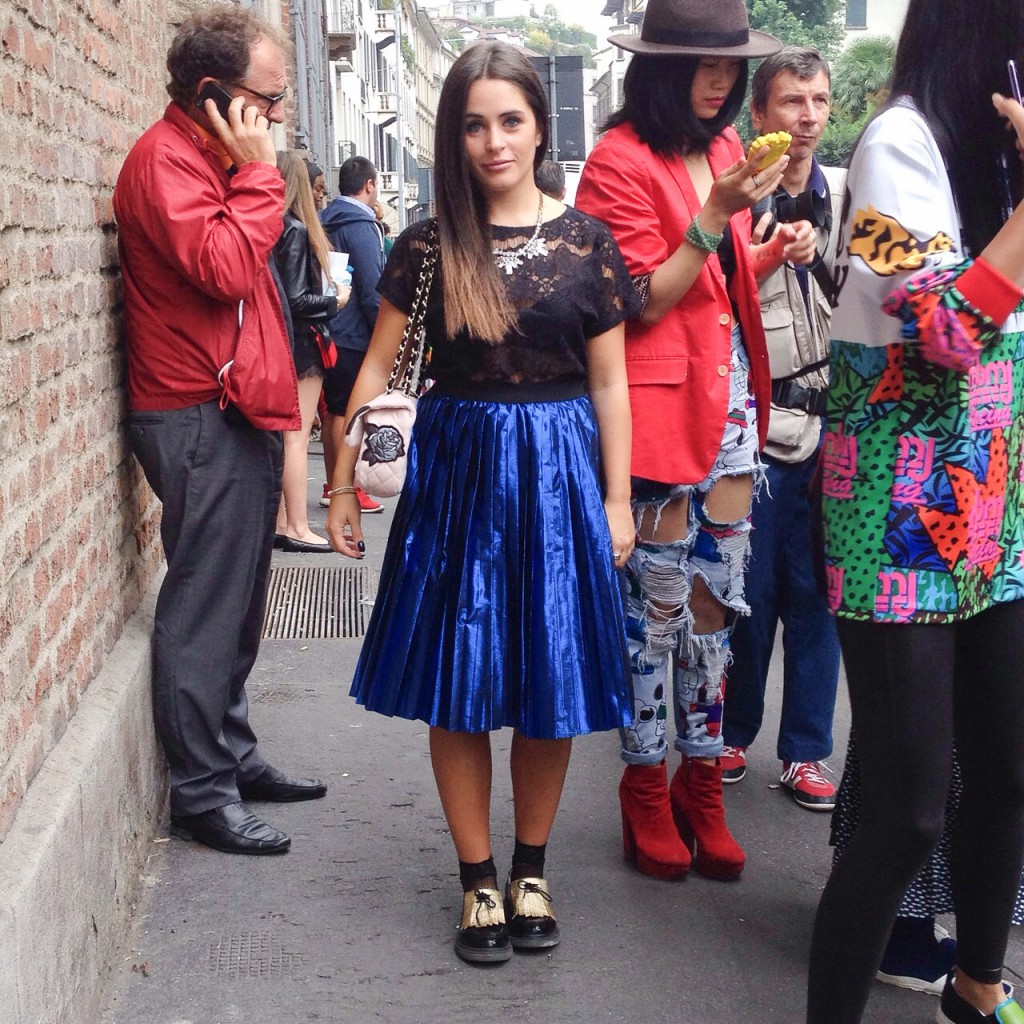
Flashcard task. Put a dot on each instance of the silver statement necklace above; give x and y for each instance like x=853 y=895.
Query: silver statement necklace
x=509 y=259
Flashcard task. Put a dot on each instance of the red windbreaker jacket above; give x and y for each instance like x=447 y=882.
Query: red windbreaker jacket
x=194 y=244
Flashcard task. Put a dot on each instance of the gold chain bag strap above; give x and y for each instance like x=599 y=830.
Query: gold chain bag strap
x=383 y=427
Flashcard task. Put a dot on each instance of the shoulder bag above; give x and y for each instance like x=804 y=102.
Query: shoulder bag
x=383 y=427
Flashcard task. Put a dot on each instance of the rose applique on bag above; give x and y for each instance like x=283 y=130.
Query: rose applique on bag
x=382 y=428
x=384 y=442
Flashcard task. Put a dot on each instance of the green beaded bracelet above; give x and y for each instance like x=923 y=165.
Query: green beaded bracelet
x=701 y=239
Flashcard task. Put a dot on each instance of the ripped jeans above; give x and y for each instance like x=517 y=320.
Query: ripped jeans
x=665 y=651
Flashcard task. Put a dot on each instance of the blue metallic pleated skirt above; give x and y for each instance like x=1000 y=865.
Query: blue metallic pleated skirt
x=499 y=603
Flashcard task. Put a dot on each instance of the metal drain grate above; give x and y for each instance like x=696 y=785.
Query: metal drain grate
x=254 y=955
x=319 y=603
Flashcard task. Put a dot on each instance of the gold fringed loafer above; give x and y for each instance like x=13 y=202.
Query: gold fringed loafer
x=531 y=921
x=483 y=937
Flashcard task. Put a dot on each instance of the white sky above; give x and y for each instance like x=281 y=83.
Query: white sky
x=587 y=13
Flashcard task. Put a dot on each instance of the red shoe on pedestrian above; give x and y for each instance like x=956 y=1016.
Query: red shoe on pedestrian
x=649 y=837
x=696 y=795
x=808 y=784
x=733 y=762
x=325 y=501
x=366 y=503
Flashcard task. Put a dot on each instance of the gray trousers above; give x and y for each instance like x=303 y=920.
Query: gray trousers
x=219 y=480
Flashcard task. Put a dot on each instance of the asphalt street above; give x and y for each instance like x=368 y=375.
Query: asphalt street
x=356 y=923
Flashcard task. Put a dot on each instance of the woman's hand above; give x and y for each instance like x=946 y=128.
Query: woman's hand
x=623 y=530
x=344 y=527
x=1014 y=113
x=740 y=186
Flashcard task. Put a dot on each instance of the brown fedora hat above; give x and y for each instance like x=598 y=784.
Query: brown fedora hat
x=716 y=28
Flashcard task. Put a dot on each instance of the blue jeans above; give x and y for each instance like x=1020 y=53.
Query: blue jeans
x=780 y=587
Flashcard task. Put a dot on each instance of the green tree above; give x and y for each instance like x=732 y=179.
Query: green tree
x=537 y=39
x=453 y=36
x=860 y=84
x=860 y=76
x=814 y=23
x=550 y=35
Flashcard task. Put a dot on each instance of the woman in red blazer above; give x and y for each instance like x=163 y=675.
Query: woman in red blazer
x=670 y=179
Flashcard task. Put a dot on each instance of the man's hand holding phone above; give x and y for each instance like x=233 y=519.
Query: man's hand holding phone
x=244 y=131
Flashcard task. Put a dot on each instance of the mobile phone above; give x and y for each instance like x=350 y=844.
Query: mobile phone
x=219 y=95
x=1011 y=67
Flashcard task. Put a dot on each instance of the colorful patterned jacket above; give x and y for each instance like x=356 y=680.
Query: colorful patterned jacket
x=923 y=459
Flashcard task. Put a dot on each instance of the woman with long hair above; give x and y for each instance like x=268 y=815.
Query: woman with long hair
x=500 y=603
x=923 y=499
x=671 y=180
x=302 y=263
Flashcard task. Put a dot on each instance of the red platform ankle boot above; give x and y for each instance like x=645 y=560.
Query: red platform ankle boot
x=649 y=836
x=696 y=794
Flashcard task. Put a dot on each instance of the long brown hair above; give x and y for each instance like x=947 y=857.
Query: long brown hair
x=299 y=202
x=475 y=298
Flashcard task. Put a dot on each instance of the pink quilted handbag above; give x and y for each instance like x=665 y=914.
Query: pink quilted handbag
x=383 y=427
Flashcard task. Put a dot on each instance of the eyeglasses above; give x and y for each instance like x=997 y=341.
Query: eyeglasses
x=271 y=101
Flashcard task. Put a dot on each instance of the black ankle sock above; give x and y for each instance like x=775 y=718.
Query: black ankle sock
x=528 y=861
x=478 y=876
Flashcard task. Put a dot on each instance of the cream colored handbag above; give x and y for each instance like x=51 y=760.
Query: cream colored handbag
x=383 y=427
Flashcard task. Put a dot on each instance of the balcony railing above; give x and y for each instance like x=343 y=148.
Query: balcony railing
x=388 y=181
x=341 y=28
x=346 y=149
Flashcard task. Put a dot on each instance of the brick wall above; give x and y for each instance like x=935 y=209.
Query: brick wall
x=79 y=81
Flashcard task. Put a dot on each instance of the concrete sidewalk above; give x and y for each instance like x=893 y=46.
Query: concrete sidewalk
x=356 y=923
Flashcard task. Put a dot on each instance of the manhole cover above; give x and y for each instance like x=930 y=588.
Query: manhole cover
x=253 y=955
x=319 y=603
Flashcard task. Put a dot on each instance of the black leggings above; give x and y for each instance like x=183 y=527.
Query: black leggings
x=912 y=689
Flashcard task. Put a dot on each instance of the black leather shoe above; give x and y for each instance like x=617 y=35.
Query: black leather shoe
x=232 y=828
x=279 y=539
x=954 y=1009
x=483 y=937
x=275 y=786
x=304 y=547
x=531 y=921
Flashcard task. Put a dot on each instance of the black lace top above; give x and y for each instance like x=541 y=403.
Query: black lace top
x=579 y=288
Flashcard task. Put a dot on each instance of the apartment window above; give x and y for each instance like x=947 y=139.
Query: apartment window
x=856 y=13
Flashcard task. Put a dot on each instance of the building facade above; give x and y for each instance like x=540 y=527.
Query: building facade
x=388 y=60
x=875 y=18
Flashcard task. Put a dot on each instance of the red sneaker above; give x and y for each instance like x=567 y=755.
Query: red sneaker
x=366 y=503
x=733 y=761
x=810 y=787
x=325 y=501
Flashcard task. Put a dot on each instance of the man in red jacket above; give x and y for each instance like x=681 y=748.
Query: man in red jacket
x=211 y=385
